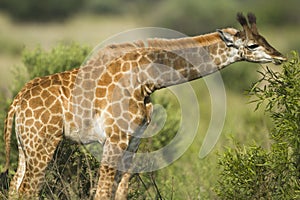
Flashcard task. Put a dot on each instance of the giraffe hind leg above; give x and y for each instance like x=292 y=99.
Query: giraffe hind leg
x=33 y=162
x=19 y=175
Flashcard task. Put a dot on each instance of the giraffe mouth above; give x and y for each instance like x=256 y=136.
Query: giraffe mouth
x=278 y=60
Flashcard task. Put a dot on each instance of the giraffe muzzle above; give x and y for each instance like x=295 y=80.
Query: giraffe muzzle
x=279 y=60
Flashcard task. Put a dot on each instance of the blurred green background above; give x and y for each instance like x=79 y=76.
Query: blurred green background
x=30 y=23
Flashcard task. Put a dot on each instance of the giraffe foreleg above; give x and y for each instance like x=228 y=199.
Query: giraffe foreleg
x=123 y=185
x=123 y=177
x=111 y=158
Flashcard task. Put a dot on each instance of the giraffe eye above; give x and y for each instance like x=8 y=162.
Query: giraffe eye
x=253 y=46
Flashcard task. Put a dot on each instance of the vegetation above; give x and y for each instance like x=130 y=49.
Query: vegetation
x=252 y=172
x=34 y=10
x=254 y=163
x=182 y=16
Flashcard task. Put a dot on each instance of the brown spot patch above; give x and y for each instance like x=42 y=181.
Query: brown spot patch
x=38 y=125
x=100 y=103
x=123 y=146
x=125 y=66
x=143 y=60
x=105 y=79
x=28 y=113
x=122 y=124
x=56 y=108
x=115 y=67
x=45 y=117
x=37 y=112
x=23 y=105
x=131 y=56
x=111 y=89
x=49 y=101
x=117 y=77
x=35 y=102
x=114 y=138
x=133 y=106
x=51 y=129
x=45 y=83
x=116 y=109
x=45 y=94
x=55 y=120
x=217 y=61
x=108 y=131
x=68 y=116
x=36 y=91
x=29 y=122
x=100 y=92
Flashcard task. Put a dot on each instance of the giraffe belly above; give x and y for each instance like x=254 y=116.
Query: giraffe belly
x=91 y=131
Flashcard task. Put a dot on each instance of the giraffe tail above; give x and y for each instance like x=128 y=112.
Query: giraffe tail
x=8 y=125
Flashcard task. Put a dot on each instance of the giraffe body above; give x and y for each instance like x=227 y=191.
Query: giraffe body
x=108 y=101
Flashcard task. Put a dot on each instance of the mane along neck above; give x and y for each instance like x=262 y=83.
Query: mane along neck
x=185 y=43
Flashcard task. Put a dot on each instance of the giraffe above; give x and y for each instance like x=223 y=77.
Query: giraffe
x=108 y=100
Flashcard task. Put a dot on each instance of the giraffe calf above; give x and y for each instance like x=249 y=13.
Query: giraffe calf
x=108 y=100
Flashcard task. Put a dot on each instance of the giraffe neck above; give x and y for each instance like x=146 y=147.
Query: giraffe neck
x=181 y=60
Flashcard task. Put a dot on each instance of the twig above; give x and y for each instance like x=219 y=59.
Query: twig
x=144 y=184
x=155 y=186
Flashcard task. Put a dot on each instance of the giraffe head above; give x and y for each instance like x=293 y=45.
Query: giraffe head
x=251 y=46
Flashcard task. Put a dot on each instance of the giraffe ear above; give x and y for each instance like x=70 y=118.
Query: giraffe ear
x=226 y=37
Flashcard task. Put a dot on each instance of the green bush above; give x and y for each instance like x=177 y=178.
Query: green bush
x=61 y=58
x=35 y=10
x=253 y=172
x=194 y=17
x=72 y=174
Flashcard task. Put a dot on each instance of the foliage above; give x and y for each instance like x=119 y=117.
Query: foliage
x=61 y=58
x=73 y=173
x=35 y=10
x=192 y=17
x=188 y=16
x=245 y=173
x=253 y=172
x=105 y=6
